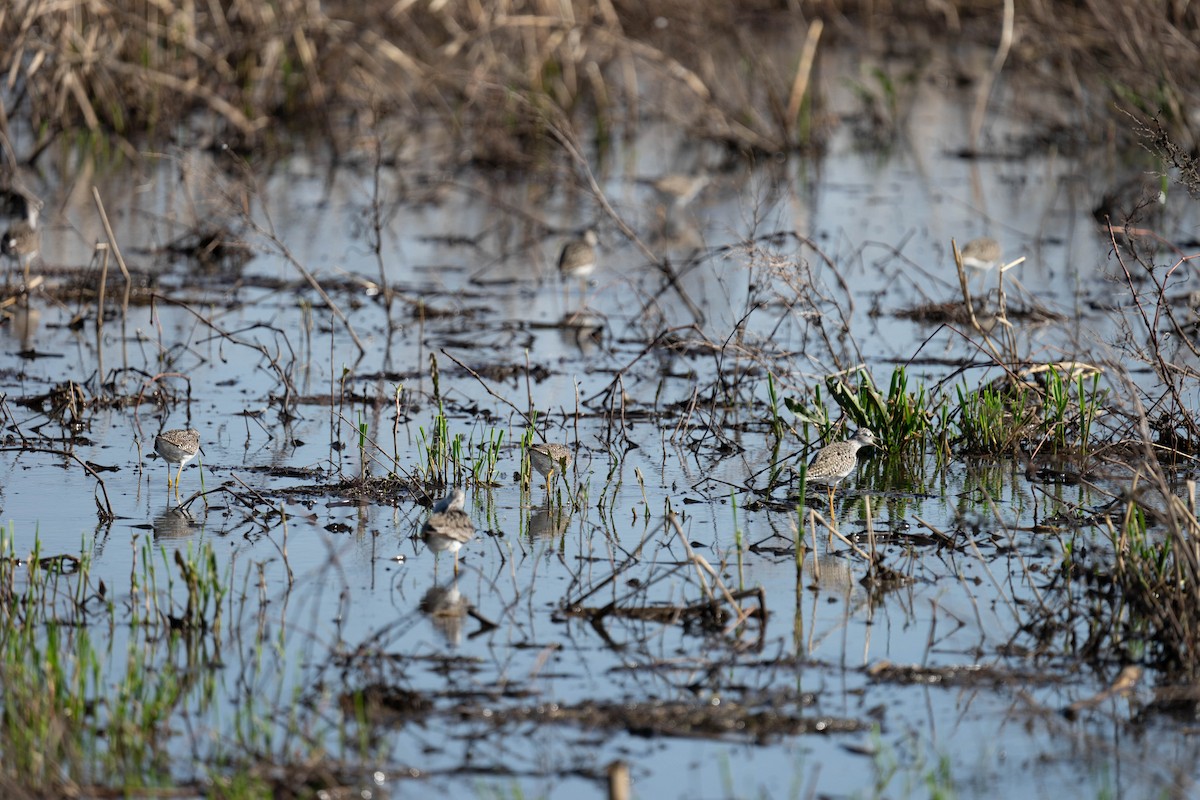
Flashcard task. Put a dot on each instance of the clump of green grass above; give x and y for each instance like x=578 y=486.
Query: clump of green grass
x=988 y=421
x=447 y=459
x=814 y=415
x=1158 y=575
x=1058 y=411
x=526 y=441
x=1070 y=407
x=901 y=418
x=483 y=467
x=438 y=462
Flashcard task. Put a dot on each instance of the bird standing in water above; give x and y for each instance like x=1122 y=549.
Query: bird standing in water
x=177 y=447
x=549 y=458
x=578 y=259
x=449 y=527
x=22 y=242
x=834 y=463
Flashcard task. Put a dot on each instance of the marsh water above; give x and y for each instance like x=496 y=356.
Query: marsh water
x=794 y=269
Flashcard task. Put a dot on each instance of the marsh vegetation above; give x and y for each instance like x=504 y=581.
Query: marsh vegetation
x=326 y=236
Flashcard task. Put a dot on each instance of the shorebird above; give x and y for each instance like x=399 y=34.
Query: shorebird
x=578 y=258
x=834 y=463
x=980 y=254
x=549 y=458
x=676 y=190
x=177 y=447
x=449 y=527
x=22 y=243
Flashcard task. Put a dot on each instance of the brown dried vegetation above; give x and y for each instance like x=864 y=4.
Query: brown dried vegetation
x=129 y=68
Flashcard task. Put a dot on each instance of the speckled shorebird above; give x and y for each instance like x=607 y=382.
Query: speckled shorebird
x=578 y=258
x=549 y=458
x=22 y=242
x=449 y=527
x=177 y=447
x=980 y=254
x=833 y=463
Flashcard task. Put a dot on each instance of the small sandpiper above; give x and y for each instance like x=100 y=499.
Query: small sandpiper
x=980 y=254
x=449 y=527
x=549 y=458
x=578 y=259
x=834 y=463
x=22 y=243
x=177 y=447
x=676 y=190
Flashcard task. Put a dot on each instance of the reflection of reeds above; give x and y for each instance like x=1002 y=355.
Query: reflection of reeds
x=70 y=713
x=1151 y=615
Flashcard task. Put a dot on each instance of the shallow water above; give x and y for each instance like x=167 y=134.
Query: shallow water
x=357 y=616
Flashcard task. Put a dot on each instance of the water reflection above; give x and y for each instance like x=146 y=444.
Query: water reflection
x=175 y=522
x=583 y=330
x=549 y=522
x=447 y=610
